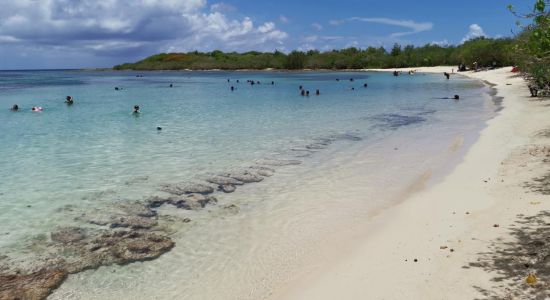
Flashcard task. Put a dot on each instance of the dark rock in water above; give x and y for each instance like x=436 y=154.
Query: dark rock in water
x=194 y=201
x=68 y=235
x=119 y=247
x=133 y=222
x=224 y=180
x=34 y=286
x=394 y=121
x=246 y=177
x=197 y=188
x=227 y=188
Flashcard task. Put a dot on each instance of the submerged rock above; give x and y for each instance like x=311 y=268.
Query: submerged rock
x=197 y=188
x=195 y=201
x=68 y=235
x=224 y=180
x=133 y=222
x=33 y=286
x=246 y=177
x=227 y=188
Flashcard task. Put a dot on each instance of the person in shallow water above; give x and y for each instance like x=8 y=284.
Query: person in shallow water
x=317 y=93
x=15 y=107
x=36 y=108
x=69 y=100
x=136 y=110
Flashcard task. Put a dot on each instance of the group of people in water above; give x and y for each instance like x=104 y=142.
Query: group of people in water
x=303 y=92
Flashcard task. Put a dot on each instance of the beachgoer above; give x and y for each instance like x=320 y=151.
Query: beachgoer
x=337 y=79
x=303 y=93
x=36 y=108
x=171 y=85
x=395 y=73
x=136 y=109
x=273 y=83
x=317 y=92
x=351 y=79
x=456 y=97
x=116 y=88
x=69 y=100
x=447 y=75
x=15 y=107
x=232 y=88
x=301 y=87
x=365 y=85
x=237 y=80
x=159 y=128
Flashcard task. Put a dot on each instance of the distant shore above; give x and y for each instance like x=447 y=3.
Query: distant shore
x=471 y=236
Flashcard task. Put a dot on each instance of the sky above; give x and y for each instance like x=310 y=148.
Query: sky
x=42 y=34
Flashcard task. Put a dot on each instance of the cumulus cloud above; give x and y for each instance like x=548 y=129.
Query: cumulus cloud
x=474 y=31
x=118 y=27
x=414 y=27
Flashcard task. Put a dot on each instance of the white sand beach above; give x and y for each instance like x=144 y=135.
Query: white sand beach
x=439 y=243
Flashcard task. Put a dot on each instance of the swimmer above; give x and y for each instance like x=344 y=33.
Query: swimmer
x=456 y=97
x=117 y=88
x=301 y=87
x=273 y=83
x=171 y=85
x=69 y=100
x=307 y=93
x=317 y=93
x=303 y=93
x=351 y=79
x=232 y=88
x=15 y=107
x=36 y=108
x=447 y=75
x=136 y=109
x=159 y=128
x=365 y=85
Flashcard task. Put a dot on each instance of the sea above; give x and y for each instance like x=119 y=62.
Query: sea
x=366 y=142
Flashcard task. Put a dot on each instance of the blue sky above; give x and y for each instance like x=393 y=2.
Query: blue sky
x=101 y=33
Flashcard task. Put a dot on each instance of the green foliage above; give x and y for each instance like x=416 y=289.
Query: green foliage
x=487 y=52
x=532 y=50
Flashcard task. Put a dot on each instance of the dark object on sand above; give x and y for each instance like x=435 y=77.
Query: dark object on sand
x=534 y=91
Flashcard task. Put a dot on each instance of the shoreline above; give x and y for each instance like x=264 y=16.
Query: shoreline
x=472 y=207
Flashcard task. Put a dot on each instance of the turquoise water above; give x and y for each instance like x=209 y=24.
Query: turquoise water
x=67 y=160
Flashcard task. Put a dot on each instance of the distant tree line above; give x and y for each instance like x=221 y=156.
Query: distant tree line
x=485 y=51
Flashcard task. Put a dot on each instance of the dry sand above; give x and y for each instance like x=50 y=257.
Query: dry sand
x=461 y=238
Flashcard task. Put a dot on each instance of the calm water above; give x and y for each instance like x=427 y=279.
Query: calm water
x=68 y=160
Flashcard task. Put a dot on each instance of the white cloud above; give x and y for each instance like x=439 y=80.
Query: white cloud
x=222 y=7
x=414 y=27
x=129 y=27
x=475 y=31
x=441 y=43
x=317 y=26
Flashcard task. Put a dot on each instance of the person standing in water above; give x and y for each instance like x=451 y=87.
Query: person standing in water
x=15 y=107
x=69 y=100
x=136 y=110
